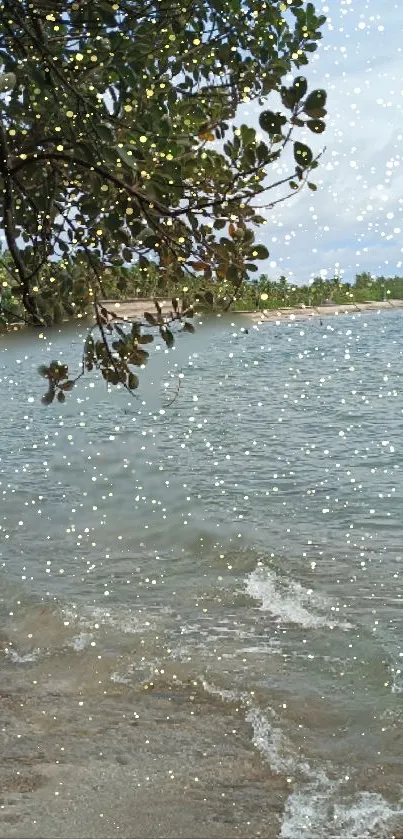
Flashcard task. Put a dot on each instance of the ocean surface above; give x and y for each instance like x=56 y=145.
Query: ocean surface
x=201 y=603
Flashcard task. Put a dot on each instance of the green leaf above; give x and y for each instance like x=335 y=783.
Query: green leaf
x=272 y=122
x=317 y=113
x=7 y=81
x=43 y=371
x=113 y=221
x=119 y=347
x=317 y=126
x=167 y=336
x=300 y=87
x=302 y=154
x=143 y=262
x=89 y=353
x=250 y=156
x=110 y=375
x=61 y=397
x=120 y=331
x=312 y=186
x=150 y=241
x=138 y=357
x=248 y=135
x=105 y=133
x=133 y=381
x=260 y=252
x=48 y=397
x=136 y=330
x=101 y=350
x=232 y=273
x=150 y=318
x=262 y=152
x=188 y=327
x=127 y=158
x=249 y=236
x=315 y=100
x=58 y=371
x=289 y=97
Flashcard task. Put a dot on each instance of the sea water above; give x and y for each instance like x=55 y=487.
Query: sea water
x=201 y=604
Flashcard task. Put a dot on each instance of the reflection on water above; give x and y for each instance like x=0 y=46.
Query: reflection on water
x=205 y=599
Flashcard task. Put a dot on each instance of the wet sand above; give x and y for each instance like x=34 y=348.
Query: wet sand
x=183 y=765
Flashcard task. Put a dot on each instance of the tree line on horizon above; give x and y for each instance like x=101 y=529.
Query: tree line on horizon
x=64 y=292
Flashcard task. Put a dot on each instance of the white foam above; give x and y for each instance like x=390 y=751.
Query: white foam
x=118 y=679
x=226 y=695
x=33 y=655
x=267 y=737
x=317 y=807
x=311 y=813
x=123 y=619
x=397 y=679
x=81 y=641
x=290 y=602
x=272 y=743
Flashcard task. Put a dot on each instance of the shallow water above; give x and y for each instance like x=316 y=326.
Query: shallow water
x=201 y=629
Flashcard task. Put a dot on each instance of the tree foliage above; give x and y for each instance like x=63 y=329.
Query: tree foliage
x=117 y=140
x=265 y=293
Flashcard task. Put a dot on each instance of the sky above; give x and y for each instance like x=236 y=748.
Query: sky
x=354 y=222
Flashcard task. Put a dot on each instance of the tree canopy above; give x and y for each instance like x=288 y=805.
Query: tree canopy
x=118 y=146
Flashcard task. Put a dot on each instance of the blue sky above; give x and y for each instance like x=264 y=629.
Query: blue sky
x=354 y=221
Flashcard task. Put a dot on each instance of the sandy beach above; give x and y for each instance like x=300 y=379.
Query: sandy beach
x=135 y=308
x=291 y=313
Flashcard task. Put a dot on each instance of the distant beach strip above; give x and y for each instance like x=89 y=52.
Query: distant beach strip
x=135 y=308
x=292 y=313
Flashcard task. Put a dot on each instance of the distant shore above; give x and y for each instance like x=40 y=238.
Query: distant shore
x=293 y=312
x=136 y=307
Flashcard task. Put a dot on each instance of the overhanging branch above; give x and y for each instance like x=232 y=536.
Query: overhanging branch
x=10 y=231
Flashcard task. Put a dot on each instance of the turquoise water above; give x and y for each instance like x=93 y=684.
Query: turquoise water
x=235 y=557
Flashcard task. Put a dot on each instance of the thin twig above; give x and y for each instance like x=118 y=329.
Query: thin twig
x=171 y=402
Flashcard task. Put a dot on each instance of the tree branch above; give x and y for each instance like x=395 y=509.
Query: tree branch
x=100 y=170
x=10 y=231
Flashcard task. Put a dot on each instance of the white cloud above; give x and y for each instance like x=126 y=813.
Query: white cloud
x=355 y=217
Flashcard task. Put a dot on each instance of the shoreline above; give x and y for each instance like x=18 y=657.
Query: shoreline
x=308 y=312
x=135 y=307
